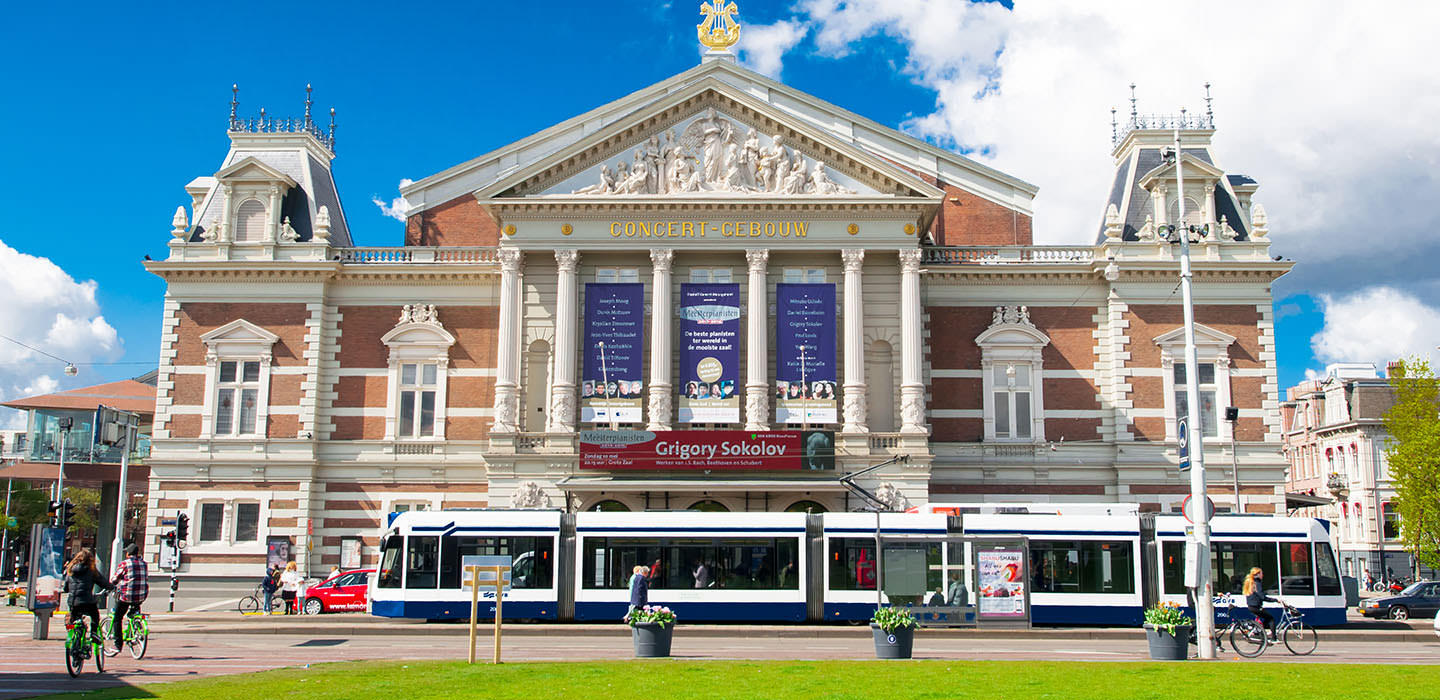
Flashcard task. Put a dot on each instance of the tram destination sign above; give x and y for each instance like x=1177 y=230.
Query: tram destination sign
x=734 y=450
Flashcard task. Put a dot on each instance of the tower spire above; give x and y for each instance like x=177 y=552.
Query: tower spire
x=1209 y=113
x=308 y=102
x=234 y=103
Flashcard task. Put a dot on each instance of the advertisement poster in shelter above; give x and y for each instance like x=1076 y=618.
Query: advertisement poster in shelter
x=805 y=390
x=47 y=563
x=761 y=450
x=709 y=353
x=610 y=386
x=1001 y=575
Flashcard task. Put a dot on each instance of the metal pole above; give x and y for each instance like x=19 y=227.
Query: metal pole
x=60 y=477
x=120 y=499
x=605 y=379
x=805 y=405
x=5 y=566
x=1204 y=603
x=1379 y=511
x=1235 y=467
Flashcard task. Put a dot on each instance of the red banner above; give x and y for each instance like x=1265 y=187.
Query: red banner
x=772 y=450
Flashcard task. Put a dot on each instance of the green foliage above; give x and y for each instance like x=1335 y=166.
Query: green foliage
x=658 y=614
x=1413 y=453
x=87 y=510
x=1166 y=616
x=893 y=618
x=27 y=507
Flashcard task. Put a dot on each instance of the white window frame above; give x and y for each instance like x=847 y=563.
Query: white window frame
x=1211 y=346
x=238 y=385
x=803 y=275
x=237 y=341
x=617 y=275
x=411 y=504
x=1019 y=343
x=222 y=530
x=234 y=529
x=417 y=343
x=417 y=388
x=712 y=275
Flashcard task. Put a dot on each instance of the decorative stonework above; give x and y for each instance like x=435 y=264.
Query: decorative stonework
x=179 y=225
x=757 y=260
x=912 y=410
x=1259 y=222
x=855 y=410
x=418 y=313
x=1012 y=314
x=562 y=410
x=889 y=495
x=661 y=259
x=566 y=260
x=529 y=495
x=910 y=260
x=1114 y=225
x=660 y=407
x=510 y=259
x=757 y=409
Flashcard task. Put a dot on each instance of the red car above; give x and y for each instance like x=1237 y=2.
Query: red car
x=345 y=591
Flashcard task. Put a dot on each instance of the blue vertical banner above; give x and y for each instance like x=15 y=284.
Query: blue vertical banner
x=709 y=353
x=805 y=354
x=611 y=390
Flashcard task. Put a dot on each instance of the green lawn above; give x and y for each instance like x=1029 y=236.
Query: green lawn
x=811 y=680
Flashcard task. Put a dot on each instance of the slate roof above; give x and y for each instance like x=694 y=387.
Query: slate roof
x=314 y=188
x=1137 y=205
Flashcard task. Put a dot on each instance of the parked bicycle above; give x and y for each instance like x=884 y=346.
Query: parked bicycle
x=80 y=645
x=136 y=633
x=254 y=602
x=1250 y=640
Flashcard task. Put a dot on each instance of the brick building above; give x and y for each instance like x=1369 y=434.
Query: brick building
x=308 y=387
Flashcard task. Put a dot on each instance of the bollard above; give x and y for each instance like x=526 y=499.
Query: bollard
x=41 y=628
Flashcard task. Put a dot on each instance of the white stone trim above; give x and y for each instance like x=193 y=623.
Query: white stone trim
x=1012 y=338
x=1210 y=346
x=417 y=341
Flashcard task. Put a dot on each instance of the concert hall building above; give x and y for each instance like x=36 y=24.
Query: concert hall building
x=716 y=292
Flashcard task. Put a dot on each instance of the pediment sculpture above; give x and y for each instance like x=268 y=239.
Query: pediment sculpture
x=709 y=154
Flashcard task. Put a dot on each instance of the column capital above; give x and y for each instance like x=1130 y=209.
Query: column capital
x=910 y=260
x=567 y=259
x=510 y=259
x=661 y=259
x=757 y=259
x=853 y=258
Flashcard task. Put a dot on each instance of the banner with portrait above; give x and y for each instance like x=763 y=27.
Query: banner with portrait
x=805 y=390
x=709 y=353
x=611 y=386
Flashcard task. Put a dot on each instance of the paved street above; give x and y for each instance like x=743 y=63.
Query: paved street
x=193 y=645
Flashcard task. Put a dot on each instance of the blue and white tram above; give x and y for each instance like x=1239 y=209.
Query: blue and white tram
x=420 y=554
x=704 y=566
x=1300 y=567
x=848 y=548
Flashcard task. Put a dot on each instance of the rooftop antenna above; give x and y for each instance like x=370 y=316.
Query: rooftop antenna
x=308 y=102
x=1134 y=116
x=1114 y=128
x=1209 y=113
x=234 y=102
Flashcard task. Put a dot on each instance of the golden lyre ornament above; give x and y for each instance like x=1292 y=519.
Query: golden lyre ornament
x=719 y=31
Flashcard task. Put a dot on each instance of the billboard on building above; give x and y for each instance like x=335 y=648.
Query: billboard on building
x=610 y=386
x=709 y=353
x=805 y=391
x=771 y=450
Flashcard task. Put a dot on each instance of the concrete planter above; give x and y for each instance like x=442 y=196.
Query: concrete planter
x=896 y=644
x=1166 y=645
x=651 y=639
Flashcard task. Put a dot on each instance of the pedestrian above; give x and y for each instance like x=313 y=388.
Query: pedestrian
x=81 y=579
x=957 y=595
x=702 y=574
x=132 y=586
x=268 y=586
x=289 y=586
x=334 y=571
x=639 y=588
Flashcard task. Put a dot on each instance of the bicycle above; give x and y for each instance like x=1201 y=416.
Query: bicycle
x=80 y=645
x=1300 y=638
x=136 y=633
x=253 y=603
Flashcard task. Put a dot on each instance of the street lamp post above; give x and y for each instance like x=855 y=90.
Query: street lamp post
x=1232 y=414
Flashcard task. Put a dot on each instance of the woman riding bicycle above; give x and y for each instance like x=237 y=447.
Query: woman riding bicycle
x=1255 y=600
x=81 y=578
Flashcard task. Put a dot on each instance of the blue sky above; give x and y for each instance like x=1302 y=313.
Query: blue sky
x=114 y=108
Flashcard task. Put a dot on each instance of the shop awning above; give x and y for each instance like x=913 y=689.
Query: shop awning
x=1304 y=500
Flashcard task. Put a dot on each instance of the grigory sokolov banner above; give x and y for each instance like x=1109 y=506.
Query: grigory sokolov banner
x=709 y=353
x=615 y=316
x=805 y=345
x=779 y=450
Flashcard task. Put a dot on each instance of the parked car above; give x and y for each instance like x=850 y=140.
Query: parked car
x=344 y=592
x=1419 y=599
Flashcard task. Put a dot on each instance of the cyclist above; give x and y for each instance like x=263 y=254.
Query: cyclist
x=1255 y=600
x=132 y=586
x=81 y=578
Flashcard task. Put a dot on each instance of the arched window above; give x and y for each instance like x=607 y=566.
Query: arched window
x=250 y=220
x=610 y=506
x=806 y=507
x=708 y=506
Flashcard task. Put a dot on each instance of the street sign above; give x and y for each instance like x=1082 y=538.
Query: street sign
x=1192 y=565
x=1189 y=511
x=168 y=522
x=487 y=566
x=1182 y=437
x=12 y=522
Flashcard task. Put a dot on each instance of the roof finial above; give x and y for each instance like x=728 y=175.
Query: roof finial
x=234 y=102
x=1114 y=128
x=1209 y=113
x=719 y=31
x=1134 y=116
x=308 y=102
x=332 y=129
x=1183 y=123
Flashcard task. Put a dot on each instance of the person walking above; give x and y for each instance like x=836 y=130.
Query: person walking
x=132 y=587
x=639 y=587
x=289 y=587
x=81 y=579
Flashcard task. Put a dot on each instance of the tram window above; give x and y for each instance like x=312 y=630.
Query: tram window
x=1172 y=567
x=749 y=563
x=852 y=564
x=530 y=558
x=1296 y=577
x=390 y=562
x=423 y=562
x=1327 y=575
x=1081 y=567
x=1230 y=563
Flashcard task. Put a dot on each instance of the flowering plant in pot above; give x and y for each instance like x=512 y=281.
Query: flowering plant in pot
x=651 y=628
x=894 y=632
x=1167 y=629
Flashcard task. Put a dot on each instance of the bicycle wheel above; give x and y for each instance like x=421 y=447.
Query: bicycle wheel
x=97 y=649
x=139 y=638
x=1301 y=639
x=74 y=658
x=249 y=605
x=1248 y=639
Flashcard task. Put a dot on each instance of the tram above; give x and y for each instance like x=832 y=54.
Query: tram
x=1097 y=566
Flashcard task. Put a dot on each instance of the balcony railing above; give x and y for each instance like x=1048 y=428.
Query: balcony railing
x=425 y=255
x=1009 y=255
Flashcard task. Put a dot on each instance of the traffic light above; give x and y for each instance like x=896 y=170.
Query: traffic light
x=182 y=528
x=52 y=512
x=67 y=515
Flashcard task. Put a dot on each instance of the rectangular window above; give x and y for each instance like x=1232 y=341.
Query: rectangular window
x=614 y=275
x=1081 y=567
x=417 y=400
x=804 y=275
x=686 y=564
x=1230 y=562
x=710 y=275
x=390 y=551
x=247 y=522
x=1012 y=401
x=1172 y=567
x=211 y=517
x=852 y=564
x=531 y=558
x=422 y=564
x=1296 y=574
x=1392 y=521
x=1206 y=387
x=238 y=382
x=1327 y=574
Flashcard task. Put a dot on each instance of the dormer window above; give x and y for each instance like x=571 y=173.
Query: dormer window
x=250 y=221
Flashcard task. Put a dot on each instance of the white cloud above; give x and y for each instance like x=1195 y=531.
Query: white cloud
x=1378 y=325
x=398 y=207
x=47 y=309
x=762 y=46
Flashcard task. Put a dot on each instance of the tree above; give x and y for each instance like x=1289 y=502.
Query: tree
x=27 y=506
x=1413 y=451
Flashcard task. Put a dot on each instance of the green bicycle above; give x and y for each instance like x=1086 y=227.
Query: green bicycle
x=136 y=632
x=80 y=645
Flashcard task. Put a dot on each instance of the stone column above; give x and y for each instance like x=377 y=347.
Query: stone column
x=662 y=390
x=561 y=418
x=912 y=387
x=757 y=377
x=854 y=418
x=507 y=384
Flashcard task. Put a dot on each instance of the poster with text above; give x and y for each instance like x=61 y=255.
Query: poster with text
x=1001 y=574
x=709 y=353
x=611 y=387
x=767 y=450
x=805 y=390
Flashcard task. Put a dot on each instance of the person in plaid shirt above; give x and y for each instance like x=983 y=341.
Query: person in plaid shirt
x=132 y=586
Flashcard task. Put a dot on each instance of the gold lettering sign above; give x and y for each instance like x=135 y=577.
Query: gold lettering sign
x=740 y=230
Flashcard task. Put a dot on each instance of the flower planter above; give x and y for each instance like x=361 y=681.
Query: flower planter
x=1167 y=645
x=896 y=644
x=652 y=640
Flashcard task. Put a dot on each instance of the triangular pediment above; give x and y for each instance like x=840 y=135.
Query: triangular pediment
x=252 y=169
x=239 y=330
x=710 y=140
x=1194 y=168
x=1204 y=335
